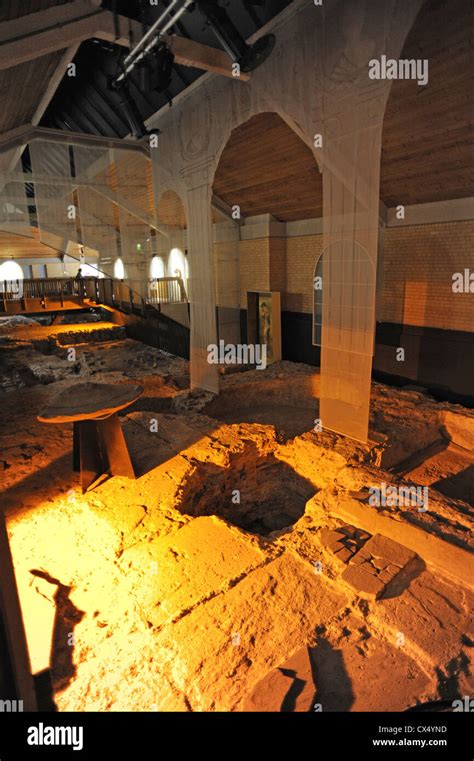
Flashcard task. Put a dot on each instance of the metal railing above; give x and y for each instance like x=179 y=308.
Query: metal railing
x=167 y=290
x=39 y=294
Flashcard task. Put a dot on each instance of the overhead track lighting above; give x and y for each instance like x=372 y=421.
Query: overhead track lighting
x=153 y=36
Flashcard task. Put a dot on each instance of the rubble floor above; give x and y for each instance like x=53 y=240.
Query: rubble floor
x=169 y=593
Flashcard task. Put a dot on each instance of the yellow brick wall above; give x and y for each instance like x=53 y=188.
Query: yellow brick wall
x=418 y=266
x=254 y=267
x=301 y=256
x=278 y=269
x=226 y=271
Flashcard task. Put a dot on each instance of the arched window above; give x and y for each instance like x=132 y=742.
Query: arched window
x=177 y=264
x=157 y=267
x=10 y=270
x=119 y=269
x=351 y=311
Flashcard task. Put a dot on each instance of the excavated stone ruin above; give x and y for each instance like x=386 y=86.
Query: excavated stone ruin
x=259 y=494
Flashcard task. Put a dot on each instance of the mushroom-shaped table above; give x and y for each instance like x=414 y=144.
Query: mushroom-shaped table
x=98 y=442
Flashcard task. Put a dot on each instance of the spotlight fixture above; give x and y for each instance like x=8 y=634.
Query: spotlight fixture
x=156 y=68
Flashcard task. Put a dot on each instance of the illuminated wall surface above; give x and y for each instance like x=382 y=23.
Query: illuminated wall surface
x=316 y=79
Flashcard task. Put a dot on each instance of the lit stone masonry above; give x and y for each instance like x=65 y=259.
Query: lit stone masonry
x=377 y=564
x=287 y=688
x=201 y=560
x=344 y=542
x=182 y=590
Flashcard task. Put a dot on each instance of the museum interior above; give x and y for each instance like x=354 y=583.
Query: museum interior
x=236 y=355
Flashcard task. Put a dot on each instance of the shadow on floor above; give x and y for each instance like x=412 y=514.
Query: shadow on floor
x=448 y=681
x=402 y=580
x=61 y=666
x=333 y=685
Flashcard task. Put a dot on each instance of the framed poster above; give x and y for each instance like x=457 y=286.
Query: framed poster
x=265 y=327
x=264 y=322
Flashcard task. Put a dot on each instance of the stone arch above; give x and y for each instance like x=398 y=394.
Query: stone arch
x=259 y=149
x=239 y=121
x=239 y=124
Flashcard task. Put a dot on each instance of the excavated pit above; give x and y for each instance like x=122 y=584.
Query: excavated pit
x=257 y=494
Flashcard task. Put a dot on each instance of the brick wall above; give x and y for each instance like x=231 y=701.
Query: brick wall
x=278 y=265
x=226 y=263
x=254 y=267
x=301 y=255
x=415 y=286
x=418 y=265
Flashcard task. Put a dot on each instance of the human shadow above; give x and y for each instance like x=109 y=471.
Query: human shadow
x=448 y=680
x=333 y=685
x=61 y=664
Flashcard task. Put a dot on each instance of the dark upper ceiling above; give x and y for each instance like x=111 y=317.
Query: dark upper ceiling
x=85 y=103
x=427 y=145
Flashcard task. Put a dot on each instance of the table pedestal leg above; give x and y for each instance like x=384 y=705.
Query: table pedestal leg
x=114 y=447
x=98 y=447
x=76 y=447
x=92 y=461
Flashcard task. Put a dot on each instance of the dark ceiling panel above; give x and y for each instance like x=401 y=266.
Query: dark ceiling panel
x=96 y=62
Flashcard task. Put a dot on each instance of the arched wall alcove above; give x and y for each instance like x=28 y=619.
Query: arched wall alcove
x=266 y=177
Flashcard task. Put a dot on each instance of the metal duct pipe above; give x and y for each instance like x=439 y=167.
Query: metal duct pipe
x=158 y=33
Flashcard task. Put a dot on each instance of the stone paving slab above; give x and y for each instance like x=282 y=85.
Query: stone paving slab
x=188 y=566
x=344 y=541
x=376 y=565
x=288 y=688
x=236 y=639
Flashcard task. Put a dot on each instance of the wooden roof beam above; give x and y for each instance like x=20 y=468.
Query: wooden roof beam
x=27 y=132
x=38 y=34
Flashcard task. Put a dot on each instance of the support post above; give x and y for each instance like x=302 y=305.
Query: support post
x=201 y=283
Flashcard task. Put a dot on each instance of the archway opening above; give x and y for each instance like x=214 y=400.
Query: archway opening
x=267 y=208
